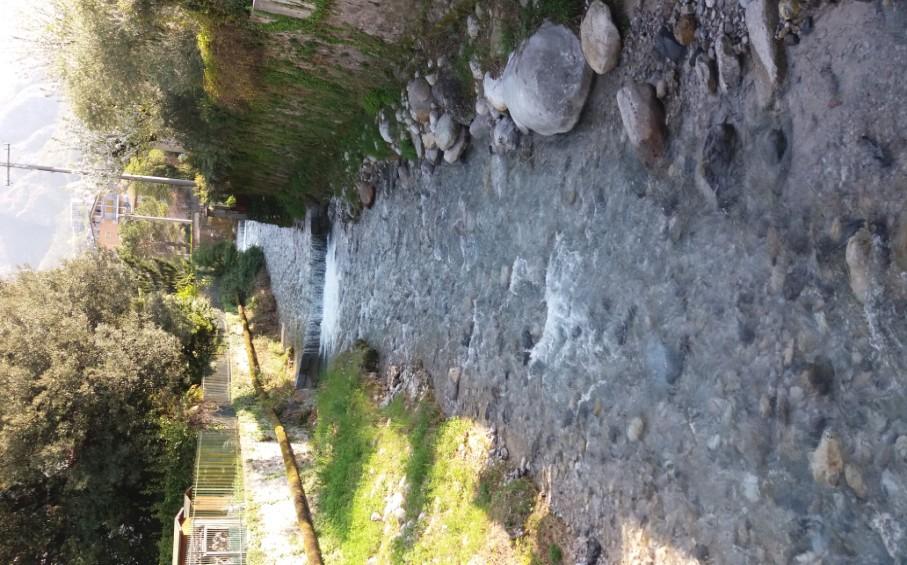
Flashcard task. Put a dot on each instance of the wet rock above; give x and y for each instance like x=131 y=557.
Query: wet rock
x=707 y=74
x=899 y=242
x=685 y=29
x=668 y=47
x=900 y=448
x=431 y=78
x=875 y=150
x=750 y=487
x=761 y=22
x=480 y=128
x=854 y=479
x=701 y=553
x=892 y=532
x=662 y=362
x=818 y=377
x=418 y=94
x=794 y=281
x=859 y=258
x=452 y=155
x=636 y=429
x=366 y=194
x=505 y=137
x=452 y=94
x=774 y=146
x=446 y=132
x=481 y=107
x=546 y=81
x=600 y=38
x=718 y=154
x=587 y=550
x=416 y=140
x=827 y=461
x=729 y=70
x=643 y=119
x=432 y=155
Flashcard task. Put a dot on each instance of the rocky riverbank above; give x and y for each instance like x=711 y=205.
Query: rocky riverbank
x=685 y=317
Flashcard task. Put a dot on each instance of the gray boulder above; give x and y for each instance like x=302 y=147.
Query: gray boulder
x=446 y=131
x=600 y=38
x=729 y=71
x=452 y=154
x=480 y=128
x=546 y=81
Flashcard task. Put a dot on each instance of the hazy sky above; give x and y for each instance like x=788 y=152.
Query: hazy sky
x=34 y=212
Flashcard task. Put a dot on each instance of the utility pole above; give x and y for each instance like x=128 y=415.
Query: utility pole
x=138 y=178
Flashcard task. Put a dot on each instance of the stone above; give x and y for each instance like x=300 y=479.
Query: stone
x=366 y=194
x=416 y=140
x=714 y=442
x=717 y=164
x=475 y=69
x=431 y=78
x=494 y=92
x=446 y=132
x=636 y=429
x=900 y=447
x=375 y=517
x=729 y=70
x=859 y=258
x=761 y=22
x=384 y=128
x=451 y=94
x=432 y=155
x=482 y=107
x=827 y=461
x=854 y=479
x=600 y=38
x=472 y=26
x=668 y=47
x=452 y=155
x=707 y=74
x=419 y=97
x=428 y=140
x=663 y=364
x=505 y=136
x=480 y=128
x=750 y=487
x=546 y=81
x=643 y=119
x=685 y=29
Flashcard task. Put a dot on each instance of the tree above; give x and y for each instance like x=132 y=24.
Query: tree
x=90 y=374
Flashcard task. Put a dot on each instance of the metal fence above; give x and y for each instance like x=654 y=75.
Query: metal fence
x=213 y=515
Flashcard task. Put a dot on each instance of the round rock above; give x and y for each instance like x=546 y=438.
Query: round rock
x=600 y=38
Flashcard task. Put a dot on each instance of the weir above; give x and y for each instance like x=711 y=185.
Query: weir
x=296 y=260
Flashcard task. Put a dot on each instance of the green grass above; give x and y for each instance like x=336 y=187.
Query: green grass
x=366 y=454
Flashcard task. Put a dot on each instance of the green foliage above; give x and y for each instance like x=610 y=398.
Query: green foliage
x=153 y=163
x=240 y=270
x=212 y=258
x=90 y=386
x=176 y=467
x=364 y=454
x=555 y=555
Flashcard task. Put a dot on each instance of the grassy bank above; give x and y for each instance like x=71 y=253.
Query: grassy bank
x=402 y=484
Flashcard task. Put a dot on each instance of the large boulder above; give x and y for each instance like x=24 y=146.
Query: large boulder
x=600 y=38
x=643 y=119
x=546 y=81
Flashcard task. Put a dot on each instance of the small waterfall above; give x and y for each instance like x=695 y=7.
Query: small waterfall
x=296 y=263
x=330 y=304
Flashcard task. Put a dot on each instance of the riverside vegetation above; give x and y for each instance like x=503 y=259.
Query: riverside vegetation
x=98 y=365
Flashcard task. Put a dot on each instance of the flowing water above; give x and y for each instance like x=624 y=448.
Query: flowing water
x=562 y=292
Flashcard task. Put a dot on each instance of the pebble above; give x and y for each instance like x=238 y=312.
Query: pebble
x=636 y=429
x=854 y=479
x=858 y=257
x=827 y=461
